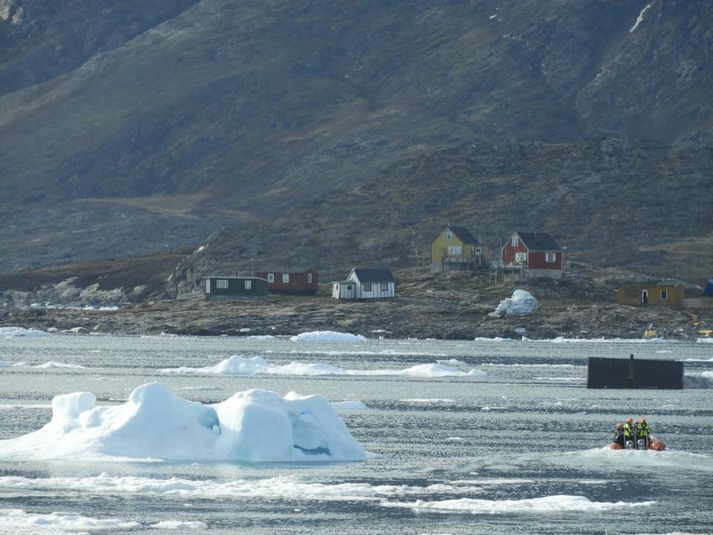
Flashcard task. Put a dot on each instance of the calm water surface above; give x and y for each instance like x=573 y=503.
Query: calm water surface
x=521 y=451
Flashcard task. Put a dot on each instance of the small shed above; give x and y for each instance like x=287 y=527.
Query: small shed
x=366 y=283
x=235 y=287
x=291 y=281
x=655 y=293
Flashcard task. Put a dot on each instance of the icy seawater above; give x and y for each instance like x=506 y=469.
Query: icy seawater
x=486 y=436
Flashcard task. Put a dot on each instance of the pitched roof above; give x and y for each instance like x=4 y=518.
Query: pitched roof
x=284 y=269
x=463 y=234
x=373 y=275
x=539 y=241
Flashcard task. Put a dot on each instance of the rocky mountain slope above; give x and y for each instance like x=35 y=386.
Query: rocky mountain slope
x=335 y=133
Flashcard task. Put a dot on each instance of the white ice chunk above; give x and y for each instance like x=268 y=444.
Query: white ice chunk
x=521 y=303
x=256 y=425
x=328 y=336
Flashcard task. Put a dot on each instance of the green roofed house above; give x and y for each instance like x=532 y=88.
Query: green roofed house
x=455 y=249
x=235 y=287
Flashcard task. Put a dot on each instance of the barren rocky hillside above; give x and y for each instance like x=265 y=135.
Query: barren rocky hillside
x=336 y=133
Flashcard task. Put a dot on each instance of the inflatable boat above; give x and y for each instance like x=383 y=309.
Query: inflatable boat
x=654 y=444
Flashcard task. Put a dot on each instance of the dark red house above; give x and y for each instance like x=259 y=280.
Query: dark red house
x=537 y=253
x=291 y=281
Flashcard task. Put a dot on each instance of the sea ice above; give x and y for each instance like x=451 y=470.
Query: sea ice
x=545 y=504
x=255 y=425
x=10 y=332
x=18 y=520
x=328 y=336
x=239 y=365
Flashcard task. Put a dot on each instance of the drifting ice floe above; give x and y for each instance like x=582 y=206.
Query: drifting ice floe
x=255 y=425
x=238 y=365
x=546 y=504
x=328 y=336
x=287 y=487
x=18 y=520
x=11 y=332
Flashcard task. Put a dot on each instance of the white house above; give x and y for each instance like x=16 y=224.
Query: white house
x=369 y=283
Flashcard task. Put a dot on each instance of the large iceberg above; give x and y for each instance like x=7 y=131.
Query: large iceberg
x=255 y=425
x=521 y=303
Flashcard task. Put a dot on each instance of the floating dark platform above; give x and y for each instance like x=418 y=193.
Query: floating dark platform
x=634 y=373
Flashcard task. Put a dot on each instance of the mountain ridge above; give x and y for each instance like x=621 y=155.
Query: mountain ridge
x=256 y=118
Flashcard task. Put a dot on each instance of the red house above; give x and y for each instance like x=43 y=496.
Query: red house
x=291 y=281
x=537 y=253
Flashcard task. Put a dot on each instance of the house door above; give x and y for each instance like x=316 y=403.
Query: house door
x=645 y=297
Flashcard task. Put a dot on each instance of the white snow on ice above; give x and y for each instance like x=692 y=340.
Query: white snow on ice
x=546 y=504
x=640 y=18
x=289 y=487
x=328 y=336
x=17 y=519
x=180 y=524
x=239 y=365
x=349 y=406
x=11 y=332
x=704 y=340
x=255 y=425
x=54 y=364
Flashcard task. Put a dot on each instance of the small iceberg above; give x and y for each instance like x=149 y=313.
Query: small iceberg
x=254 y=426
x=328 y=336
x=522 y=303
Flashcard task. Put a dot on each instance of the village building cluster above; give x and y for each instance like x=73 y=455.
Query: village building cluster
x=526 y=255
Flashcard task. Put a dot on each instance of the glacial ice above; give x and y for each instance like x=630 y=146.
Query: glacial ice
x=254 y=425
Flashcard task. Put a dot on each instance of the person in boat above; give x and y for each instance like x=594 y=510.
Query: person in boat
x=644 y=432
x=619 y=435
x=629 y=430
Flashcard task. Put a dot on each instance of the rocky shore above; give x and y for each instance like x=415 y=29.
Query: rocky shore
x=447 y=306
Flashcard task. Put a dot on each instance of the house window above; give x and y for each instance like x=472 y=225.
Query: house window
x=367 y=287
x=384 y=286
x=447 y=235
x=285 y=278
x=270 y=277
x=664 y=294
x=515 y=241
x=248 y=284
x=455 y=250
x=550 y=258
x=222 y=284
x=520 y=257
x=309 y=278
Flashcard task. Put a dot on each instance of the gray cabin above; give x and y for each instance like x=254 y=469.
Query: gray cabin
x=232 y=287
x=368 y=283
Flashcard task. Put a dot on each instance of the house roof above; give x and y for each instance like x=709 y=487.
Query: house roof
x=653 y=284
x=284 y=269
x=539 y=241
x=233 y=277
x=373 y=275
x=462 y=233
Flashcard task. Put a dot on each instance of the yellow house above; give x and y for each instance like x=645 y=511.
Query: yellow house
x=656 y=293
x=455 y=248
